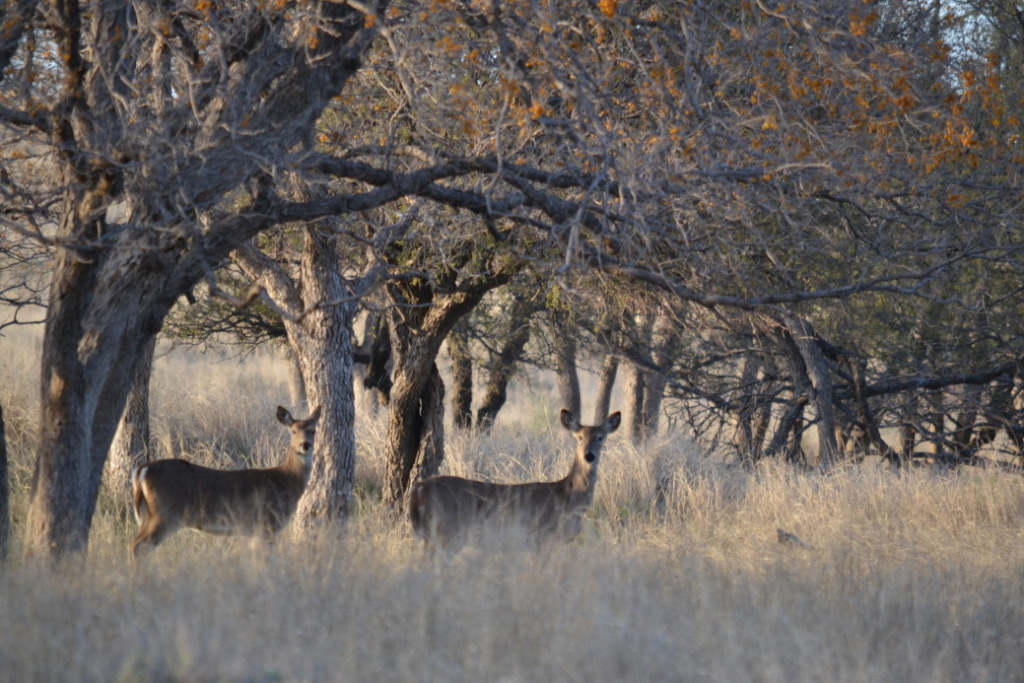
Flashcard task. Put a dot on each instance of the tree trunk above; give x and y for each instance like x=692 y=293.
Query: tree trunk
x=5 y=493
x=323 y=344
x=379 y=368
x=865 y=415
x=503 y=365
x=413 y=433
x=636 y=372
x=112 y=286
x=806 y=342
x=743 y=439
x=605 y=384
x=321 y=341
x=908 y=440
x=296 y=383
x=1001 y=412
x=635 y=389
x=419 y=321
x=131 y=446
x=663 y=346
x=96 y=333
x=791 y=361
x=431 y=449
x=566 y=375
x=326 y=360
x=462 y=378
x=935 y=419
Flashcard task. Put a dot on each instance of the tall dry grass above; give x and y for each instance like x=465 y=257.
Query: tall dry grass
x=678 y=576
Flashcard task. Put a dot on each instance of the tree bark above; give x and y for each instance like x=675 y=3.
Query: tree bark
x=503 y=364
x=419 y=321
x=605 y=384
x=378 y=370
x=635 y=390
x=743 y=438
x=822 y=393
x=869 y=424
x=663 y=347
x=636 y=378
x=296 y=383
x=566 y=374
x=131 y=445
x=321 y=340
x=462 y=378
x=103 y=312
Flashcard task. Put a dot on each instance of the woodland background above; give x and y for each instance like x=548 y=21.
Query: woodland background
x=783 y=238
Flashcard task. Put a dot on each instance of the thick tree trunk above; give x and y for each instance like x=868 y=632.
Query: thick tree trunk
x=97 y=331
x=908 y=441
x=324 y=350
x=132 y=441
x=462 y=378
x=1001 y=412
x=419 y=322
x=935 y=420
x=414 y=429
x=431 y=449
x=503 y=365
x=321 y=341
x=791 y=362
x=326 y=361
x=5 y=494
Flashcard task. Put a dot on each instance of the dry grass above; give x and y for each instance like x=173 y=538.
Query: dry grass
x=678 y=575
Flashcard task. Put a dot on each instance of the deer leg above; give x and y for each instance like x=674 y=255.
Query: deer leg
x=151 y=533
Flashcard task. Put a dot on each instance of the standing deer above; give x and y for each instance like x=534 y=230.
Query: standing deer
x=445 y=510
x=170 y=494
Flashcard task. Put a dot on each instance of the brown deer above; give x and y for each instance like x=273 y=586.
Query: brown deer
x=171 y=494
x=444 y=511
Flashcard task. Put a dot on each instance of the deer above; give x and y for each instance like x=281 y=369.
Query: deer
x=445 y=510
x=174 y=493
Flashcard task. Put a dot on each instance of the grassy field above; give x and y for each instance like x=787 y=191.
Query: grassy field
x=909 y=577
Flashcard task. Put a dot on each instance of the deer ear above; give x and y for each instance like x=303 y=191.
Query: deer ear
x=613 y=422
x=569 y=420
x=284 y=417
x=314 y=416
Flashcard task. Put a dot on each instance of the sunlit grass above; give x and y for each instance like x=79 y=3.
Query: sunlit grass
x=678 y=575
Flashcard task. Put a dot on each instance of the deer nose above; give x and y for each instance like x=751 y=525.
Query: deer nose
x=307 y=445
x=590 y=456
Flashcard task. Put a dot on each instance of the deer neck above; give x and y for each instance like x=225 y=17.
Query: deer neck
x=581 y=479
x=296 y=466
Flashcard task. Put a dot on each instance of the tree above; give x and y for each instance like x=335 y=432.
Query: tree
x=794 y=160
x=256 y=80
x=424 y=308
